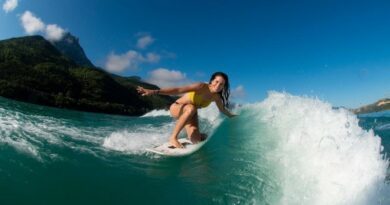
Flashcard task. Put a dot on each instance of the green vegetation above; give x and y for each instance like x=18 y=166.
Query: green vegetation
x=32 y=70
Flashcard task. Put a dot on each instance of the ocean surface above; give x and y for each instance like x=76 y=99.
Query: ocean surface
x=285 y=150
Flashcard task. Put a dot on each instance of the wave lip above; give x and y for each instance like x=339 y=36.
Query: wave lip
x=321 y=154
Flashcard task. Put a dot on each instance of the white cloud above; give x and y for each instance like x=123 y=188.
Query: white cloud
x=10 y=5
x=31 y=24
x=152 y=58
x=54 y=32
x=129 y=61
x=134 y=58
x=238 y=92
x=144 y=41
x=163 y=77
x=118 y=63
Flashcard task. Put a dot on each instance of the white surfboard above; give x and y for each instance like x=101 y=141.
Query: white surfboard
x=167 y=150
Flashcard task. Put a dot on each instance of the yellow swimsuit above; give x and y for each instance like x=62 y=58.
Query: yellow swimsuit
x=198 y=100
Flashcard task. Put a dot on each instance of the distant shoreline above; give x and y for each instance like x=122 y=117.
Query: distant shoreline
x=379 y=106
x=33 y=70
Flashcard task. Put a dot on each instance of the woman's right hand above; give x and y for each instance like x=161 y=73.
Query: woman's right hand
x=144 y=92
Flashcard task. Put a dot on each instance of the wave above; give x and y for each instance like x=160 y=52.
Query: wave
x=319 y=155
x=40 y=135
x=285 y=150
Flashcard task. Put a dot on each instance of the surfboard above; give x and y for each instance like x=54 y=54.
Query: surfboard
x=167 y=150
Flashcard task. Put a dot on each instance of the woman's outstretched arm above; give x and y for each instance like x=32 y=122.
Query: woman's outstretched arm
x=222 y=109
x=170 y=91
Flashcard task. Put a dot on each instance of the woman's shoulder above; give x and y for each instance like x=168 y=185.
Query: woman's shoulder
x=200 y=85
x=194 y=87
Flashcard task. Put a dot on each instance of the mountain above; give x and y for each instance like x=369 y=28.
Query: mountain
x=380 y=105
x=70 y=47
x=35 y=71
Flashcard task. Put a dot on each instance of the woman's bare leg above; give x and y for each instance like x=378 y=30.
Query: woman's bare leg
x=188 y=112
x=192 y=128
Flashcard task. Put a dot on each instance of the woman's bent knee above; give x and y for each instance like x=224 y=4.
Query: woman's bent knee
x=176 y=109
x=189 y=108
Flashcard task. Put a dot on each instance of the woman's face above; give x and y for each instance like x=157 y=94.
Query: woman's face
x=217 y=84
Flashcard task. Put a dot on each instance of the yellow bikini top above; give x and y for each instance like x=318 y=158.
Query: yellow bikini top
x=198 y=100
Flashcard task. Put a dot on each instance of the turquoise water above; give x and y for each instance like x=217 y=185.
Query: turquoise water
x=283 y=150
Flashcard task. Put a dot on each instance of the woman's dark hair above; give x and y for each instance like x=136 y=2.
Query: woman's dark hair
x=225 y=92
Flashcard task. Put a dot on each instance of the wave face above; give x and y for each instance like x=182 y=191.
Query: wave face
x=284 y=150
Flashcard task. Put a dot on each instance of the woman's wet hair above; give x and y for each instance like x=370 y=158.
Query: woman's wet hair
x=225 y=92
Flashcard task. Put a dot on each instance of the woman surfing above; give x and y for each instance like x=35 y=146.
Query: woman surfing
x=196 y=96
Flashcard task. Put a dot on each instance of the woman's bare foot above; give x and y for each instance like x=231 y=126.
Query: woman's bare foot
x=203 y=137
x=194 y=140
x=175 y=143
x=199 y=138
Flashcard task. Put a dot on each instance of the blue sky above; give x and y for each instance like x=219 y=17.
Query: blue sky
x=338 y=51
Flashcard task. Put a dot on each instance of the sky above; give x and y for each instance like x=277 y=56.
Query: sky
x=337 y=51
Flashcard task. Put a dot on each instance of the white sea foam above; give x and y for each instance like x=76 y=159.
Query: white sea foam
x=211 y=114
x=321 y=155
x=156 y=113
x=28 y=133
x=383 y=127
x=10 y=134
x=136 y=141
